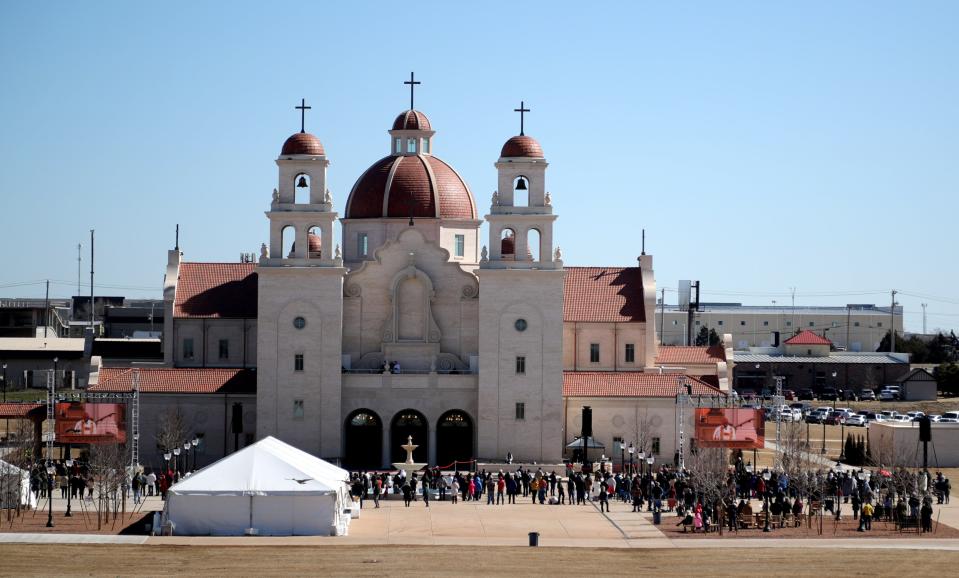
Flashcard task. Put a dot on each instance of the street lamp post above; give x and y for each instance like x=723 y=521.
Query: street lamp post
x=176 y=462
x=632 y=450
x=622 y=456
x=4 y=382
x=186 y=455
x=51 y=473
x=766 y=477
x=194 y=442
x=69 y=464
x=642 y=464
x=649 y=462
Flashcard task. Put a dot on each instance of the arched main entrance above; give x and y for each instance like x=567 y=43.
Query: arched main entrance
x=364 y=441
x=454 y=438
x=409 y=422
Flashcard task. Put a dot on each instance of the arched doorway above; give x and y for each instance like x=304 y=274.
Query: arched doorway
x=409 y=422
x=364 y=441
x=454 y=438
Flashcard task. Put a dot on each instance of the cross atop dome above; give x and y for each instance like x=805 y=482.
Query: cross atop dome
x=521 y=110
x=303 y=108
x=412 y=84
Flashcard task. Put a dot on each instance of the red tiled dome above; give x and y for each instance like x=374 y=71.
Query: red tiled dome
x=436 y=189
x=522 y=146
x=411 y=120
x=314 y=243
x=302 y=143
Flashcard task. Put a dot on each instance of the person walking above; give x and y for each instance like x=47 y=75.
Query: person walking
x=561 y=499
x=454 y=490
x=377 y=488
x=511 y=489
x=603 y=498
x=407 y=494
x=426 y=494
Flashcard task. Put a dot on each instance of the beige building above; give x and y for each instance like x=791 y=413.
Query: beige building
x=412 y=324
x=851 y=328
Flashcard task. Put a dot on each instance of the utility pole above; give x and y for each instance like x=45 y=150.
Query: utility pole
x=792 y=290
x=848 y=323
x=46 y=310
x=92 y=309
x=924 y=317
x=79 y=265
x=662 y=317
x=892 y=323
x=692 y=308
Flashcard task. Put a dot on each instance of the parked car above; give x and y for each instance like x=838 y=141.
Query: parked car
x=934 y=418
x=888 y=395
x=867 y=395
x=806 y=394
x=877 y=417
x=789 y=395
x=829 y=394
x=915 y=414
x=834 y=418
x=856 y=420
x=890 y=414
x=802 y=407
x=902 y=419
x=950 y=417
x=848 y=395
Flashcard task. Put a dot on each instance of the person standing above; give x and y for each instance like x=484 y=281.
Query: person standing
x=377 y=488
x=407 y=494
x=500 y=488
x=426 y=494
x=603 y=497
x=561 y=492
x=865 y=519
x=454 y=489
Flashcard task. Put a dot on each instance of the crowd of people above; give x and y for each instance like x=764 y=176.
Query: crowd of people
x=903 y=498
x=77 y=481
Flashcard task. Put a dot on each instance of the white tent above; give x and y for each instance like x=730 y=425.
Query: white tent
x=15 y=486
x=270 y=486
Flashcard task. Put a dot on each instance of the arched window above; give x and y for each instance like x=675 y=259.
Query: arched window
x=426 y=145
x=287 y=241
x=533 y=240
x=315 y=239
x=301 y=189
x=508 y=244
x=411 y=145
x=521 y=191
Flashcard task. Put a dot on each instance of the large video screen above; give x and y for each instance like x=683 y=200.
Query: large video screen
x=730 y=428
x=91 y=423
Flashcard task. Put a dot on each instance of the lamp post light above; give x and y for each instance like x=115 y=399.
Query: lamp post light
x=766 y=477
x=166 y=457
x=51 y=473
x=4 y=382
x=69 y=464
x=839 y=471
x=186 y=455
x=649 y=462
x=194 y=442
x=176 y=462
x=642 y=463
x=632 y=450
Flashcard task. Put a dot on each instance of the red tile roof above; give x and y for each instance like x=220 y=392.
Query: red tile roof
x=422 y=178
x=14 y=410
x=603 y=294
x=223 y=290
x=522 y=146
x=680 y=355
x=411 y=120
x=177 y=380
x=302 y=143
x=807 y=337
x=629 y=384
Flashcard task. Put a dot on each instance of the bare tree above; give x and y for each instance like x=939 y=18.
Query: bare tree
x=108 y=471
x=709 y=473
x=172 y=430
x=794 y=461
x=19 y=454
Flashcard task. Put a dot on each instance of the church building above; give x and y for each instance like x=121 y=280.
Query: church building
x=411 y=322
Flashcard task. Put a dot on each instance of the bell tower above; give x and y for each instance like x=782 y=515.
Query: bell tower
x=300 y=305
x=520 y=392
x=521 y=212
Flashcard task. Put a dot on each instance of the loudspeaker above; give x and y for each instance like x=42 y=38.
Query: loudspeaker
x=236 y=424
x=587 y=422
x=925 y=429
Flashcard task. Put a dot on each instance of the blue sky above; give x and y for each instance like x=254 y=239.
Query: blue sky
x=762 y=145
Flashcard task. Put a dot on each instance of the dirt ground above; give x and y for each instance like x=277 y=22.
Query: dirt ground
x=103 y=560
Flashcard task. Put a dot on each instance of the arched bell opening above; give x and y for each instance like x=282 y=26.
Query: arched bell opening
x=521 y=191
x=302 y=183
x=508 y=244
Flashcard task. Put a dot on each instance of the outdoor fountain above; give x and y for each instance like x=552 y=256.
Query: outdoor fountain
x=408 y=467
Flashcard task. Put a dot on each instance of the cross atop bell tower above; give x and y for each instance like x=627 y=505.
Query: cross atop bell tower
x=412 y=84
x=303 y=108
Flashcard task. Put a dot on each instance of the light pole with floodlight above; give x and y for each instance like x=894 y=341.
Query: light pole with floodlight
x=766 y=477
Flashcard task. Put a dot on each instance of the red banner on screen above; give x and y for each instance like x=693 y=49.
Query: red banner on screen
x=730 y=428
x=91 y=423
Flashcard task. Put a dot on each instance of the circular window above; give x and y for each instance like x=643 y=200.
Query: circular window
x=520 y=325
x=299 y=323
